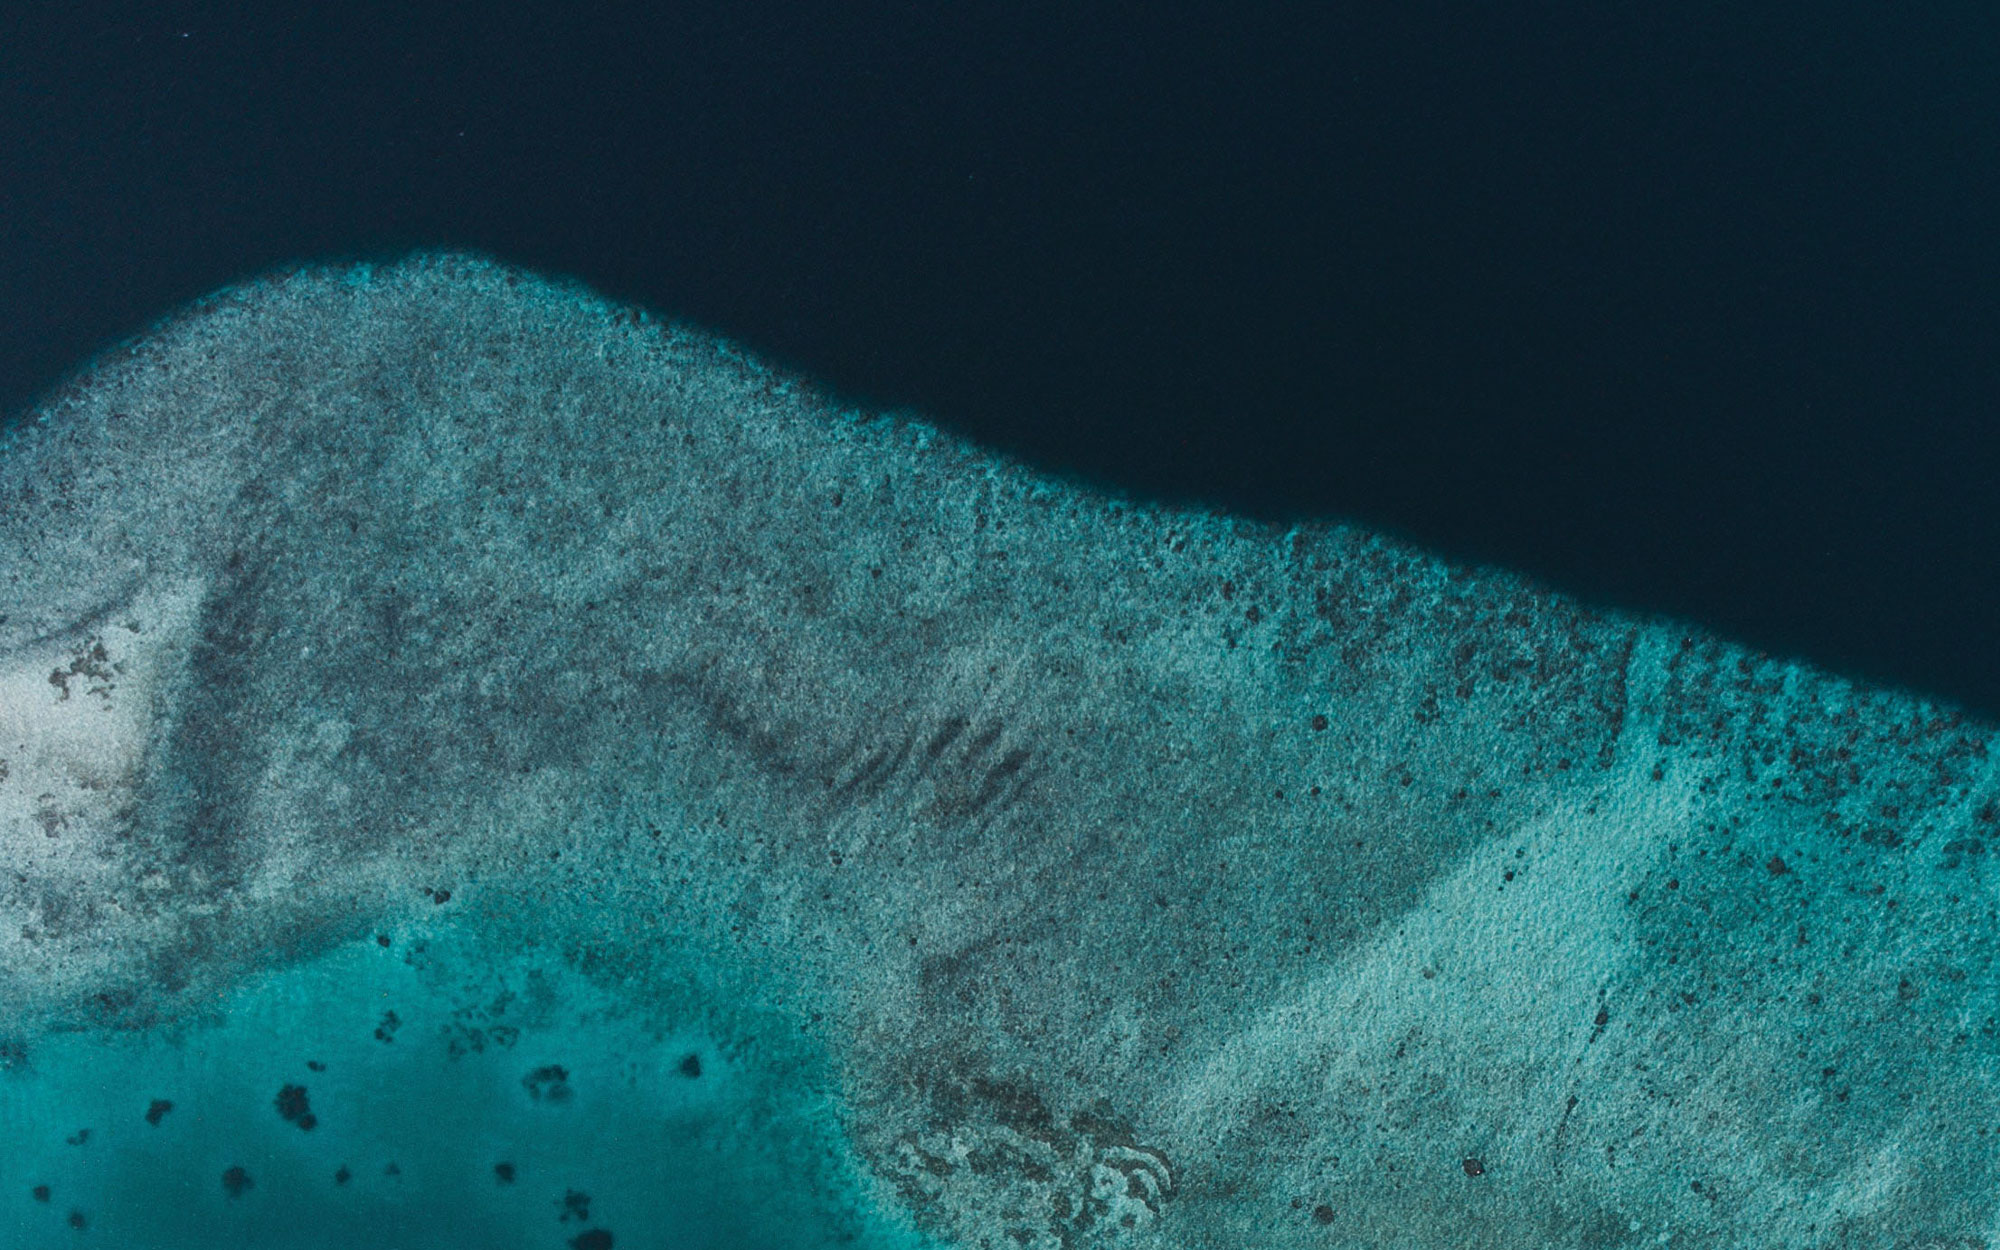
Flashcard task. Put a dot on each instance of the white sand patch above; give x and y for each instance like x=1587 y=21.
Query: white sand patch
x=76 y=716
x=1510 y=959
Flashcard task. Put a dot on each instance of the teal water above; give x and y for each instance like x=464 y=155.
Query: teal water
x=431 y=1092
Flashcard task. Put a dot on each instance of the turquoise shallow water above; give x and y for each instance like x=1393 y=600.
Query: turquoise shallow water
x=791 y=827
x=427 y=1093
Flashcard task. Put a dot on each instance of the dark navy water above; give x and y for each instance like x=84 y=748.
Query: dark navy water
x=1691 y=309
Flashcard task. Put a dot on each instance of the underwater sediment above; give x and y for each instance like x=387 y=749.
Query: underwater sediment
x=481 y=766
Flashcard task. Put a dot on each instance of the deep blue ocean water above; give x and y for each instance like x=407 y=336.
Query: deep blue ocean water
x=1685 y=310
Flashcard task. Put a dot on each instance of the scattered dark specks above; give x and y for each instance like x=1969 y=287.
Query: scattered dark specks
x=690 y=1067
x=595 y=1239
x=1473 y=1167
x=1777 y=866
x=550 y=1082
x=77 y=1221
x=157 y=1111
x=1322 y=1214
x=1319 y=723
x=79 y=1137
x=294 y=1108
x=575 y=1206
x=41 y=1193
x=504 y=1173
x=343 y=1175
x=236 y=1181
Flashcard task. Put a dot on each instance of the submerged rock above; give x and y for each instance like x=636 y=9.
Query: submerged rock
x=1024 y=865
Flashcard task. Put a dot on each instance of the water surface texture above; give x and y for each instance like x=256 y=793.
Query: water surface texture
x=480 y=767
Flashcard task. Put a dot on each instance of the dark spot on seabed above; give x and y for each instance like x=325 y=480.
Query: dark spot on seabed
x=504 y=1173
x=41 y=1193
x=1473 y=1167
x=575 y=1206
x=315 y=1065
x=79 y=1137
x=550 y=1082
x=343 y=1175
x=235 y=1181
x=691 y=1066
x=157 y=1111
x=595 y=1239
x=77 y=1221
x=292 y=1105
x=1322 y=1214
x=386 y=1031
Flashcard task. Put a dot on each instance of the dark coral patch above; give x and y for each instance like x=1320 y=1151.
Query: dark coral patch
x=292 y=1105
x=548 y=1083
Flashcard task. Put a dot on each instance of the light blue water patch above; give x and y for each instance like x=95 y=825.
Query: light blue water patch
x=424 y=1093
